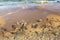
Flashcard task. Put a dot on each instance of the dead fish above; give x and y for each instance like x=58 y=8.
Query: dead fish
x=43 y=26
x=13 y=26
x=58 y=26
x=34 y=25
x=54 y=33
x=39 y=20
x=23 y=25
x=4 y=29
x=46 y=18
x=12 y=32
x=36 y=32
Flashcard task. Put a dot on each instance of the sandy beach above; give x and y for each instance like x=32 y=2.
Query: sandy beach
x=13 y=14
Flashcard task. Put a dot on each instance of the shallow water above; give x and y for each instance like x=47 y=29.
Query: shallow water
x=9 y=5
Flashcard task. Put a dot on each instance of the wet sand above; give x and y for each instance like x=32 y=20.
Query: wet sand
x=11 y=16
